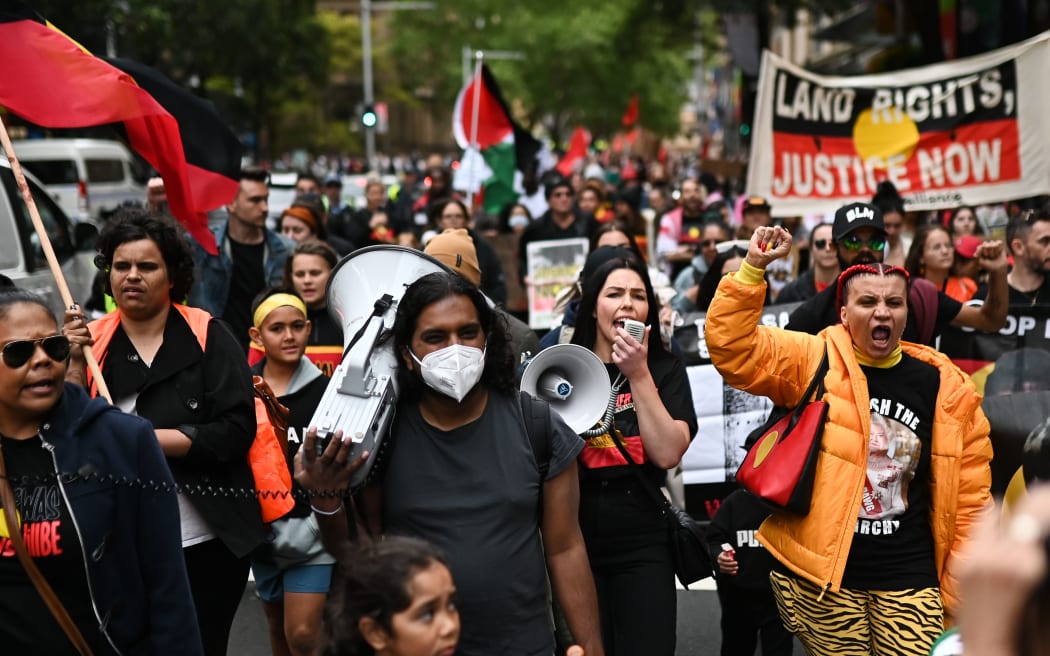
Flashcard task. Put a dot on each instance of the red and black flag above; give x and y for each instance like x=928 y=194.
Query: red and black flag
x=51 y=80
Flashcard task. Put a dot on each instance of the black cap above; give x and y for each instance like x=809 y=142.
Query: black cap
x=856 y=215
x=756 y=203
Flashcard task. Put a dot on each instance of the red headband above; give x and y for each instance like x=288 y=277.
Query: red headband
x=303 y=214
x=877 y=269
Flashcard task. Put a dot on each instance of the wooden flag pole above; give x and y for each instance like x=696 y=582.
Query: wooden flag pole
x=49 y=253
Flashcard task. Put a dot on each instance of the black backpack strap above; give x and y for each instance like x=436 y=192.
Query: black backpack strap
x=538 y=427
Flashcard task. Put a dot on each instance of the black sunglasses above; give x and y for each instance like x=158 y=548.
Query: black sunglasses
x=710 y=243
x=822 y=244
x=17 y=353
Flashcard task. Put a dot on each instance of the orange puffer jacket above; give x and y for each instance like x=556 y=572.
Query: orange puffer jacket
x=780 y=364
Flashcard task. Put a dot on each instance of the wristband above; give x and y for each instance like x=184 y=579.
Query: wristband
x=327 y=513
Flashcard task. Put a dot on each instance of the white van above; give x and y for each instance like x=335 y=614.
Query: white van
x=21 y=255
x=84 y=176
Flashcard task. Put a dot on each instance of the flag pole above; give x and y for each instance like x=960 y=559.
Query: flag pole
x=49 y=252
x=479 y=58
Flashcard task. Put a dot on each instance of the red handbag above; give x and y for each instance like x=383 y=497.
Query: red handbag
x=781 y=461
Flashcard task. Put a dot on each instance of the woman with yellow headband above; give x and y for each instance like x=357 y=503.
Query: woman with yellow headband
x=292 y=570
x=183 y=371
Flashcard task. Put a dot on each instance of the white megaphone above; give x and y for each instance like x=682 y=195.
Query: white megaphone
x=364 y=290
x=573 y=380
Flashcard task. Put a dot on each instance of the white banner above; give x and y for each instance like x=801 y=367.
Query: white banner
x=966 y=132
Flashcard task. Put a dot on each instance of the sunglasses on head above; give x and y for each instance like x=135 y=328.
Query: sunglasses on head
x=822 y=244
x=17 y=353
x=855 y=243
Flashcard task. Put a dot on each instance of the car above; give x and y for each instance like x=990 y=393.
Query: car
x=88 y=178
x=282 y=193
x=21 y=254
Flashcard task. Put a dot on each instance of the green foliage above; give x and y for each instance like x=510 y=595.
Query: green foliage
x=580 y=61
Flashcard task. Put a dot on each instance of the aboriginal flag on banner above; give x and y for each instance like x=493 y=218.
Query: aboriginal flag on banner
x=51 y=80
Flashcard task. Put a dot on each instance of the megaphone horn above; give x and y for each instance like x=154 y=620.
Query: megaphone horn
x=573 y=380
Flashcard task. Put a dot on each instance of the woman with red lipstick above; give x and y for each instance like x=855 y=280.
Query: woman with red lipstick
x=625 y=532
x=185 y=372
x=306 y=271
x=869 y=570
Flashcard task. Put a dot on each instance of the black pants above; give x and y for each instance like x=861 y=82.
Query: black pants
x=217 y=580
x=627 y=543
x=747 y=614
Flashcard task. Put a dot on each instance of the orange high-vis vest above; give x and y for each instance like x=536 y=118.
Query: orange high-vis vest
x=273 y=481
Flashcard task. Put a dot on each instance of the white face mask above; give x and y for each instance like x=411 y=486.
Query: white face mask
x=453 y=370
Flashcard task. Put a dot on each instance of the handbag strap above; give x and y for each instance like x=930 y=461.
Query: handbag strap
x=14 y=529
x=817 y=384
x=648 y=485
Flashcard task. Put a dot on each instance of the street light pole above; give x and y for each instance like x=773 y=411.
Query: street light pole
x=369 y=92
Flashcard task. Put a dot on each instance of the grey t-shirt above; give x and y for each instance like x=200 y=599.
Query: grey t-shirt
x=474 y=492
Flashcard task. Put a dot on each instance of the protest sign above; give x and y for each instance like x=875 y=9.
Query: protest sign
x=552 y=266
x=965 y=132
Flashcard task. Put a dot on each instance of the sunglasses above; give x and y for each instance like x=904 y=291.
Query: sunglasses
x=726 y=246
x=823 y=244
x=855 y=243
x=17 y=353
x=710 y=243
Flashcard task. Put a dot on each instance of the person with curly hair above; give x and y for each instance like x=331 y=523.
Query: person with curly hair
x=182 y=370
x=460 y=470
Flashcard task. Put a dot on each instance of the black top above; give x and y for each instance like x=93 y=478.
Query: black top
x=26 y=624
x=735 y=523
x=892 y=545
x=820 y=311
x=545 y=229
x=1018 y=299
x=247 y=279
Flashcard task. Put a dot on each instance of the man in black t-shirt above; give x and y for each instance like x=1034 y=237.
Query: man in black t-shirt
x=561 y=221
x=860 y=238
x=251 y=257
x=1028 y=237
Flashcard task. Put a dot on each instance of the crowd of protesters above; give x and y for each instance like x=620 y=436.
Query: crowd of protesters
x=504 y=538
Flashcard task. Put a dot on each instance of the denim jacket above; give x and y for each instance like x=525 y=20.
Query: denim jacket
x=211 y=289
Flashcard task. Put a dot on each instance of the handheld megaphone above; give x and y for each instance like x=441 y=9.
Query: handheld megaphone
x=363 y=292
x=573 y=380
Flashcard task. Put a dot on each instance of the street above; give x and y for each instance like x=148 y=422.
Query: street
x=698 y=632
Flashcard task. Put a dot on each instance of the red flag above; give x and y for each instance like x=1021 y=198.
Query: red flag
x=630 y=117
x=581 y=139
x=49 y=79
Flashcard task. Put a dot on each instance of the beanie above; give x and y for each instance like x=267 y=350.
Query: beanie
x=455 y=249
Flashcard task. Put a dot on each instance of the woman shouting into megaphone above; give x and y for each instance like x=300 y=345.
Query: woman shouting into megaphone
x=653 y=422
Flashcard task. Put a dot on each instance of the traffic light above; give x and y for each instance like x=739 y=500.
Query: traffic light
x=745 y=130
x=369 y=118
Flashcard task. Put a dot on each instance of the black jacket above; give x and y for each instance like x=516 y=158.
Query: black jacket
x=208 y=396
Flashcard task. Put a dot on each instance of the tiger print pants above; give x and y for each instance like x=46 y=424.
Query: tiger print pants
x=859 y=622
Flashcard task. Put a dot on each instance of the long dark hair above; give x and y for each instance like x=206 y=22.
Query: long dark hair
x=136 y=223
x=372 y=581
x=586 y=331
x=431 y=288
x=708 y=284
x=913 y=260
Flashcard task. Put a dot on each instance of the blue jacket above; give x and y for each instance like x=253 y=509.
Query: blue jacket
x=211 y=288
x=127 y=518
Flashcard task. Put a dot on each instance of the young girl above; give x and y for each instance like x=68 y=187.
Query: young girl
x=395 y=597
x=292 y=571
x=306 y=271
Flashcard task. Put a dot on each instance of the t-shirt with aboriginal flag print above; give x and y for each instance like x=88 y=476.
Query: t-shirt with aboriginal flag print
x=601 y=459
x=26 y=624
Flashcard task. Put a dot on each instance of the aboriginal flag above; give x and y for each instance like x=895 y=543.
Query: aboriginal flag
x=51 y=80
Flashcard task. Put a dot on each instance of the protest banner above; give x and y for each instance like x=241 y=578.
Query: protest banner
x=552 y=266
x=965 y=132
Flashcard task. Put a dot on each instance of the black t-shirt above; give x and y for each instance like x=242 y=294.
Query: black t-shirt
x=247 y=279
x=324 y=331
x=1018 y=299
x=26 y=624
x=474 y=492
x=602 y=459
x=892 y=541
x=820 y=311
x=301 y=405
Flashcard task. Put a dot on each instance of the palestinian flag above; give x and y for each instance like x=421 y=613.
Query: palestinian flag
x=51 y=80
x=506 y=146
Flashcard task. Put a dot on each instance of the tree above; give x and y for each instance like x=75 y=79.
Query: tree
x=580 y=62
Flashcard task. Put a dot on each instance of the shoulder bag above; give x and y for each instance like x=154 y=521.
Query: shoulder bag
x=781 y=461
